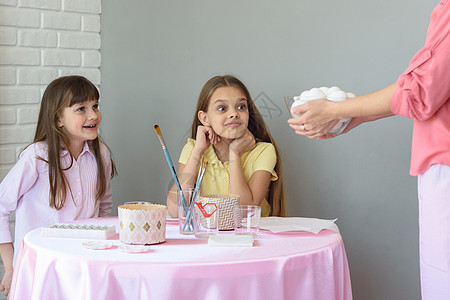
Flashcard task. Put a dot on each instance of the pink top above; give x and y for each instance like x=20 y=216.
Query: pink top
x=423 y=94
x=26 y=190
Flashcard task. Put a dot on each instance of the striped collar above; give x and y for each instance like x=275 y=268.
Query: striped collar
x=86 y=148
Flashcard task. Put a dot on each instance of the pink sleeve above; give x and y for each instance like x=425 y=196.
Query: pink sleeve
x=106 y=202
x=423 y=88
x=18 y=181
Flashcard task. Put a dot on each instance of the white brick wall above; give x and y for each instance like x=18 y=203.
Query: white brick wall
x=41 y=40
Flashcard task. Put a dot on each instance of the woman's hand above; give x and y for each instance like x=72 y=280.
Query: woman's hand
x=354 y=122
x=205 y=137
x=5 y=285
x=243 y=144
x=316 y=120
x=319 y=116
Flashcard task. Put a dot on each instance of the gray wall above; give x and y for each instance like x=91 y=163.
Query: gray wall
x=156 y=55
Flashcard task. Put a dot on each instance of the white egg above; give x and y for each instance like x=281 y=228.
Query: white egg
x=304 y=95
x=350 y=95
x=316 y=93
x=297 y=103
x=332 y=90
x=337 y=96
x=324 y=89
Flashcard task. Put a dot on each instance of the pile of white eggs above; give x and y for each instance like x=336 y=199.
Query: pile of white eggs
x=333 y=94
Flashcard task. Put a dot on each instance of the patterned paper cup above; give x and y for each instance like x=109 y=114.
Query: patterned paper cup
x=142 y=224
x=225 y=203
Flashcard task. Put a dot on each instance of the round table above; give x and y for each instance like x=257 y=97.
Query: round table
x=289 y=265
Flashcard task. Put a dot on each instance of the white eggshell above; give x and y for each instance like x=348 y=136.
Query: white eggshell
x=297 y=103
x=304 y=93
x=324 y=89
x=337 y=96
x=350 y=95
x=332 y=90
x=316 y=93
x=306 y=96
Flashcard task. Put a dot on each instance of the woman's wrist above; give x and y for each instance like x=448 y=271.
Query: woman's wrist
x=337 y=110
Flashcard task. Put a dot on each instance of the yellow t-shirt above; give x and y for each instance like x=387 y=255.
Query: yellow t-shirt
x=217 y=175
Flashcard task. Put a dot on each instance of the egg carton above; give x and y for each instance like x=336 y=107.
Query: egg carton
x=79 y=231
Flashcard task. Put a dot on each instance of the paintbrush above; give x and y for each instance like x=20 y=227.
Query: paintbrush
x=201 y=173
x=172 y=168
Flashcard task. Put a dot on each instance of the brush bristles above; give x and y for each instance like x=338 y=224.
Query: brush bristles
x=157 y=129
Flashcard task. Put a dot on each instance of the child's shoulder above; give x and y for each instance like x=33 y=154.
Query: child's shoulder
x=264 y=146
x=36 y=149
x=190 y=141
x=186 y=150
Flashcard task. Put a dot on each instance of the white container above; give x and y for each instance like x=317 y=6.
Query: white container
x=142 y=224
x=79 y=231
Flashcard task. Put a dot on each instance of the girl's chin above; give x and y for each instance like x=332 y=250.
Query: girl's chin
x=230 y=134
x=234 y=134
x=92 y=137
x=229 y=137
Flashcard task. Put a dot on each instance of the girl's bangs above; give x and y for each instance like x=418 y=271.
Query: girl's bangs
x=83 y=90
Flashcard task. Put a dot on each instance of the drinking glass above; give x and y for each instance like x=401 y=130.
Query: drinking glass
x=247 y=219
x=206 y=219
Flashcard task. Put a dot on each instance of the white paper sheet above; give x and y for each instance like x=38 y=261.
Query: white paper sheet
x=230 y=241
x=277 y=224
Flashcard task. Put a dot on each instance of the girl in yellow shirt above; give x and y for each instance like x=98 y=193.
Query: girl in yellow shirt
x=229 y=133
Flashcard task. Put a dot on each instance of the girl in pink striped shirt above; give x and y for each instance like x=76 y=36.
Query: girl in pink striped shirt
x=64 y=174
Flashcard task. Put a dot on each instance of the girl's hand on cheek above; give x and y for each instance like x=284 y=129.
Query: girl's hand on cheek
x=243 y=144
x=205 y=137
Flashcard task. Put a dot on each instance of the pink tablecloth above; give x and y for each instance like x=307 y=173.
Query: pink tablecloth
x=294 y=265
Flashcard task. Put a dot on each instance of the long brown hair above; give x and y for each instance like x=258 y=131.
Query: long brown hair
x=61 y=93
x=256 y=125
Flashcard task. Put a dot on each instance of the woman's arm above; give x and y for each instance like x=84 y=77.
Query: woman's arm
x=319 y=116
